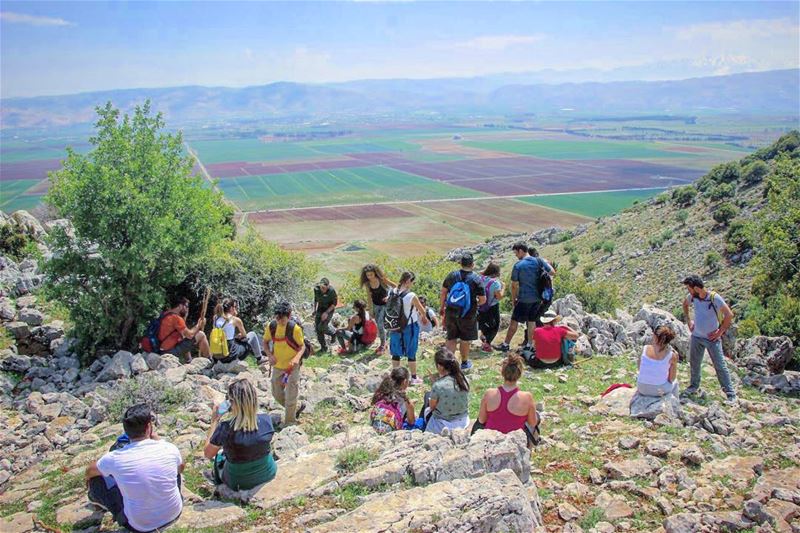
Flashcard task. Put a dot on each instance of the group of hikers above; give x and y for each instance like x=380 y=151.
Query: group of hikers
x=139 y=480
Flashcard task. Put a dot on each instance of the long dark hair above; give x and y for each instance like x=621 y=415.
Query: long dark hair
x=406 y=276
x=388 y=391
x=378 y=274
x=492 y=270
x=447 y=360
x=223 y=306
x=361 y=310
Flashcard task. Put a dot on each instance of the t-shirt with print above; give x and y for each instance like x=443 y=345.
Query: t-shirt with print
x=146 y=473
x=170 y=332
x=527 y=272
x=244 y=446
x=324 y=301
x=705 y=316
x=547 y=340
x=475 y=289
x=453 y=402
x=281 y=349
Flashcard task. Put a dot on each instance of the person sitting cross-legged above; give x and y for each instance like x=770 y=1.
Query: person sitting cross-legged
x=138 y=483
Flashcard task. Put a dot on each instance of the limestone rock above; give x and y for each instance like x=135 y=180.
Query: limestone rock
x=492 y=503
x=631 y=468
x=659 y=448
x=17 y=523
x=297 y=478
x=568 y=512
x=628 y=443
x=20 y=330
x=209 y=514
x=79 y=514
x=654 y=316
x=692 y=455
x=28 y=224
x=288 y=442
x=119 y=367
x=616 y=402
x=32 y=317
x=138 y=364
x=764 y=355
x=649 y=407
x=684 y=523
x=153 y=360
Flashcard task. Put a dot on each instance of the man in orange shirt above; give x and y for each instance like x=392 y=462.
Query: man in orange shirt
x=175 y=338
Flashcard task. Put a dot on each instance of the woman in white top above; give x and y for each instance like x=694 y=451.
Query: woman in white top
x=404 y=343
x=240 y=341
x=658 y=365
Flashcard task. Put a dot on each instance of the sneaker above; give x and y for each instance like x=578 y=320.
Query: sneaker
x=466 y=365
x=300 y=410
x=416 y=381
x=503 y=347
x=381 y=350
x=731 y=400
x=486 y=348
x=689 y=394
x=98 y=505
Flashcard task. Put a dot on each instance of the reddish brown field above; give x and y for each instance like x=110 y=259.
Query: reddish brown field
x=359 y=212
x=28 y=170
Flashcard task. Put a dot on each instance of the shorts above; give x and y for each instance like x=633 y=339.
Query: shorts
x=182 y=348
x=465 y=329
x=404 y=343
x=528 y=312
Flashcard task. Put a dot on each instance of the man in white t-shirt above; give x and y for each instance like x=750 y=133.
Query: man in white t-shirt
x=139 y=483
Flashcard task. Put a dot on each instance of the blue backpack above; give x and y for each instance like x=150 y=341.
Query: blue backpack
x=460 y=296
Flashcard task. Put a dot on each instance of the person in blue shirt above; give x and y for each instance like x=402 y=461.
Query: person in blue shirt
x=526 y=293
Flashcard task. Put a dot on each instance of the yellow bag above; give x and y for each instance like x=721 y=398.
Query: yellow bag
x=218 y=342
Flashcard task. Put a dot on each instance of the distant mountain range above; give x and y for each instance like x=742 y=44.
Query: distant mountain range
x=773 y=92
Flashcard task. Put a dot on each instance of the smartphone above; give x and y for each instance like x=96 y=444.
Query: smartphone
x=223 y=407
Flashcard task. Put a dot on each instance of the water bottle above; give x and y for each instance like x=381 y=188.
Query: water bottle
x=223 y=407
x=284 y=379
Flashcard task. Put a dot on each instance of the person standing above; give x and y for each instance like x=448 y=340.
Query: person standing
x=712 y=318
x=325 y=300
x=377 y=285
x=489 y=312
x=461 y=295
x=404 y=343
x=285 y=347
x=526 y=293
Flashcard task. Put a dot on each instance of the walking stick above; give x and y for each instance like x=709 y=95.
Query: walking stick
x=204 y=308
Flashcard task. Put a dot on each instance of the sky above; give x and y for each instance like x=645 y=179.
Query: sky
x=69 y=47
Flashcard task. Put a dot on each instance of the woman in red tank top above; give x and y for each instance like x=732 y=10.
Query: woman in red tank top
x=506 y=408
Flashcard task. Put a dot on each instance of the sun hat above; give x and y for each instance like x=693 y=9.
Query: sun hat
x=549 y=316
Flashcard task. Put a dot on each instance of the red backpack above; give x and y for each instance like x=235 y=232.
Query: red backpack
x=370 y=332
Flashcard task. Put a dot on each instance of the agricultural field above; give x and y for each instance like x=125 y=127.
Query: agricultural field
x=595 y=204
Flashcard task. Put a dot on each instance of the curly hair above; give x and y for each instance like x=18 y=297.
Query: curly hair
x=512 y=367
x=375 y=269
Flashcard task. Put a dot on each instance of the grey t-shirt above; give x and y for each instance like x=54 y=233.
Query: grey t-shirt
x=705 y=314
x=453 y=402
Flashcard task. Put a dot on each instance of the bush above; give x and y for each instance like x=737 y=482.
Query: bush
x=726 y=172
x=17 y=244
x=684 y=196
x=563 y=236
x=755 y=172
x=141 y=219
x=588 y=270
x=682 y=216
x=738 y=238
x=152 y=389
x=569 y=247
x=618 y=231
x=608 y=247
x=596 y=297
x=721 y=191
x=354 y=459
x=255 y=272
x=725 y=213
x=573 y=259
x=661 y=199
x=712 y=261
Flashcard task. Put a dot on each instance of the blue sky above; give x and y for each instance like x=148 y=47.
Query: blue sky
x=68 y=47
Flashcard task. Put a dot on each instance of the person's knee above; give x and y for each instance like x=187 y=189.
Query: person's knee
x=200 y=337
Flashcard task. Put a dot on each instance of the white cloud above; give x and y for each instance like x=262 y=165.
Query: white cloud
x=495 y=43
x=33 y=20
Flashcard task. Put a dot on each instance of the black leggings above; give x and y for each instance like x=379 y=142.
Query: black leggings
x=489 y=322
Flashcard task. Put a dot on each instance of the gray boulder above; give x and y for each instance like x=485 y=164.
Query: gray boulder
x=138 y=364
x=28 y=224
x=119 y=367
x=654 y=317
x=16 y=363
x=764 y=355
x=20 y=330
x=649 y=407
x=7 y=309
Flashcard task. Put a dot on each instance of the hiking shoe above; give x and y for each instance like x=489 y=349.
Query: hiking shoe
x=503 y=347
x=466 y=365
x=731 y=400
x=688 y=395
x=486 y=348
x=300 y=410
x=381 y=350
x=416 y=381
x=342 y=351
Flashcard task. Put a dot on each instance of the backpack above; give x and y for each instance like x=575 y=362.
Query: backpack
x=490 y=299
x=394 y=318
x=385 y=417
x=545 y=282
x=218 y=342
x=369 y=333
x=460 y=295
x=150 y=342
x=273 y=327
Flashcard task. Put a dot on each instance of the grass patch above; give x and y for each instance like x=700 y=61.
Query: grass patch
x=349 y=497
x=7 y=509
x=194 y=479
x=6 y=339
x=591 y=518
x=322 y=361
x=154 y=390
x=354 y=459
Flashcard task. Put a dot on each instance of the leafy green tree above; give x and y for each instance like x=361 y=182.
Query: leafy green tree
x=608 y=247
x=755 y=172
x=684 y=196
x=738 y=237
x=141 y=220
x=712 y=260
x=725 y=213
x=720 y=192
x=726 y=172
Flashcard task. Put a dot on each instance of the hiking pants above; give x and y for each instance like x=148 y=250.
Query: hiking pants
x=489 y=322
x=286 y=394
x=697 y=351
x=322 y=328
x=379 y=312
x=240 y=348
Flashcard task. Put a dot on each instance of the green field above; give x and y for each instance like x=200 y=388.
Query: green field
x=334 y=187
x=553 y=149
x=596 y=204
x=12 y=195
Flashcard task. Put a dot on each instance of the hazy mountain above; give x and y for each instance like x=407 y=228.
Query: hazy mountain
x=773 y=92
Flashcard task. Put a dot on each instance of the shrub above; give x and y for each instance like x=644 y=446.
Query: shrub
x=141 y=219
x=725 y=213
x=608 y=247
x=684 y=196
x=17 y=244
x=588 y=270
x=596 y=297
x=661 y=199
x=569 y=247
x=712 y=260
x=152 y=389
x=595 y=246
x=721 y=191
x=726 y=172
x=573 y=259
x=682 y=216
x=755 y=172
x=738 y=237
x=618 y=231
x=563 y=236
x=354 y=459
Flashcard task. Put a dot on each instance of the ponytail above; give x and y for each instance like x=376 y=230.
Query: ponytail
x=223 y=306
x=447 y=360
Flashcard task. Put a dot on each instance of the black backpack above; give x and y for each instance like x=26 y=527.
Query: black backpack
x=395 y=318
x=273 y=327
x=545 y=282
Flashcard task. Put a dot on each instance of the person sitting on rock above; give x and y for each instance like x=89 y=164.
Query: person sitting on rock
x=177 y=339
x=658 y=365
x=551 y=349
x=240 y=341
x=506 y=408
x=239 y=439
x=448 y=402
x=391 y=408
x=358 y=334
x=138 y=483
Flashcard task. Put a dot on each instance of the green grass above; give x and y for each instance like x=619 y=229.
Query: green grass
x=13 y=197
x=354 y=459
x=333 y=187
x=552 y=149
x=597 y=204
x=591 y=518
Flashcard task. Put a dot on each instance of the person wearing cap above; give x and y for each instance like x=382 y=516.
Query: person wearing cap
x=285 y=349
x=325 y=300
x=461 y=322
x=548 y=340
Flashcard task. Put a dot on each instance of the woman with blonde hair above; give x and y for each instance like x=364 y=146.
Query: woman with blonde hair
x=239 y=439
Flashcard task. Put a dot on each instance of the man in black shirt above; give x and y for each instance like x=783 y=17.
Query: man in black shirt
x=459 y=312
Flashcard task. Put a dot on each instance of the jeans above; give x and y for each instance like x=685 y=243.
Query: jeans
x=111 y=499
x=696 y=352
x=239 y=348
x=344 y=335
x=379 y=312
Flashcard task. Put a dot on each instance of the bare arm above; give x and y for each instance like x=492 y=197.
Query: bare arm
x=686 y=316
x=432 y=403
x=514 y=291
x=92 y=471
x=483 y=413
x=421 y=311
x=210 y=450
x=673 y=368
x=572 y=334
x=481 y=299
x=237 y=322
x=411 y=418
x=442 y=299
x=533 y=416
